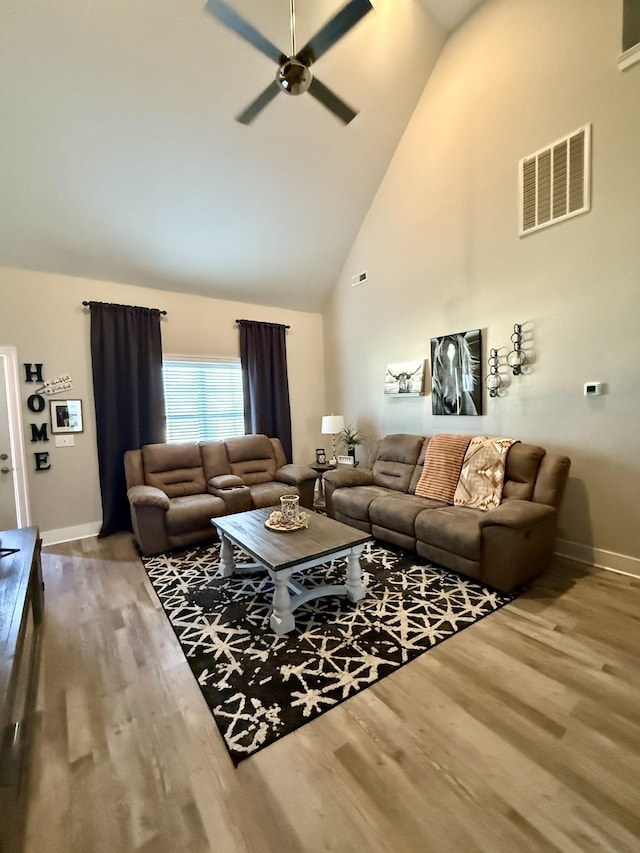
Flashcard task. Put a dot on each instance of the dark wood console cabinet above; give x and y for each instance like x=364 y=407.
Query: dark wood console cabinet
x=21 y=612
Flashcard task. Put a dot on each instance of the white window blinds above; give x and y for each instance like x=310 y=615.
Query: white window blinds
x=203 y=399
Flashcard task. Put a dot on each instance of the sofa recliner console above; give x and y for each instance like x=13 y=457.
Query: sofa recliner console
x=503 y=547
x=175 y=490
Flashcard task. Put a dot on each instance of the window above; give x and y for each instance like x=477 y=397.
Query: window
x=203 y=399
x=630 y=34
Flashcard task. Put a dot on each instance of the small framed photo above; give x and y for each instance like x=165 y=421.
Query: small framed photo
x=321 y=456
x=345 y=460
x=66 y=415
x=405 y=378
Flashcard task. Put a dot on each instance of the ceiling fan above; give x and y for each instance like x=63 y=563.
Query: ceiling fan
x=294 y=71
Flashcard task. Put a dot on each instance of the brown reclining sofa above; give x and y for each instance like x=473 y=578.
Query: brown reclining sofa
x=503 y=547
x=175 y=490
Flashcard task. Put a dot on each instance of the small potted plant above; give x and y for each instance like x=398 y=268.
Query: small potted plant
x=351 y=438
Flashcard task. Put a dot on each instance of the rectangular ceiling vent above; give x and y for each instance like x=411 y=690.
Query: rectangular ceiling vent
x=554 y=182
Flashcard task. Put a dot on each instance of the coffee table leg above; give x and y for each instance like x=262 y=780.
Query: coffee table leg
x=227 y=563
x=355 y=588
x=282 y=619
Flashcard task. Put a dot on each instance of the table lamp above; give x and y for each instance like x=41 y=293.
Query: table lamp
x=331 y=424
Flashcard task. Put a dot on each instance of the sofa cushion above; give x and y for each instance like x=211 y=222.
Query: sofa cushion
x=269 y=494
x=399 y=512
x=396 y=461
x=355 y=502
x=278 y=452
x=417 y=471
x=174 y=468
x=134 y=468
x=521 y=471
x=455 y=529
x=252 y=458
x=214 y=459
x=192 y=512
x=551 y=479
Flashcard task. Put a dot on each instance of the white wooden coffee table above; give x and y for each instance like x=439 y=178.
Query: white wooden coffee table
x=283 y=554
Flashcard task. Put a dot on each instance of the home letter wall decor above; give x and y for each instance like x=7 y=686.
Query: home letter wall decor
x=36 y=404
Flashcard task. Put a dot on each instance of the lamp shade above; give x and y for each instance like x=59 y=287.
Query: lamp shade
x=332 y=424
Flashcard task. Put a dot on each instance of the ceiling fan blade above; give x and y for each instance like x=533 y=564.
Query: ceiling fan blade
x=230 y=18
x=259 y=104
x=333 y=31
x=331 y=101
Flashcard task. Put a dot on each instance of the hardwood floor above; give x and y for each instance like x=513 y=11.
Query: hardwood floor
x=521 y=733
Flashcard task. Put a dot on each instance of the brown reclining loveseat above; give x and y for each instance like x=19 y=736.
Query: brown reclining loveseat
x=175 y=490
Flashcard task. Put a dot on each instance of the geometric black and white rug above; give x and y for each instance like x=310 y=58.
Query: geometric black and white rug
x=260 y=686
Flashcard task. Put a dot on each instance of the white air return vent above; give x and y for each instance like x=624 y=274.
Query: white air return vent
x=358 y=279
x=554 y=182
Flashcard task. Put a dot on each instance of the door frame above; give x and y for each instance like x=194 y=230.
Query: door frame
x=9 y=362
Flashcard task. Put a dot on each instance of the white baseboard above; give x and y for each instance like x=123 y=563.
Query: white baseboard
x=68 y=534
x=598 y=557
x=586 y=554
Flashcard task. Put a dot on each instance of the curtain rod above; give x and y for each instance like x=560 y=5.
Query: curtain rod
x=264 y=323
x=87 y=304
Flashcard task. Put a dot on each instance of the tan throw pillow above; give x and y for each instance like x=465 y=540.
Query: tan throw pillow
x=442 y=464
x=482 y=476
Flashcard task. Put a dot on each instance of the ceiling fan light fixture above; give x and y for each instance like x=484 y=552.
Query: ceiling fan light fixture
x=294 y=77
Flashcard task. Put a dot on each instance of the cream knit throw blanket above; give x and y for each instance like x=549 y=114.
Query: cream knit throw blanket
x=482 y=475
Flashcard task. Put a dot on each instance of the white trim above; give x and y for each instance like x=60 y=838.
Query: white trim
x=208 y=359
x=629 y=57
x=598 y=557
x=9 y=356
x=69 y=534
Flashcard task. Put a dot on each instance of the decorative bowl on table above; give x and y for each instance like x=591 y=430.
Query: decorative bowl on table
x=279 y=522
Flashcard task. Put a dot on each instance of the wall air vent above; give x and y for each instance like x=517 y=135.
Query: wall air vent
x=360 y=278
x=554 y=182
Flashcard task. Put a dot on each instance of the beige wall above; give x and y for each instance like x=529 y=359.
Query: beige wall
x=441 y=248
x=42 y=315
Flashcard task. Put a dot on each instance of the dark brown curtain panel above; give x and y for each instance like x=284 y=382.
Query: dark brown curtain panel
x=263 y=356
x=126 y=355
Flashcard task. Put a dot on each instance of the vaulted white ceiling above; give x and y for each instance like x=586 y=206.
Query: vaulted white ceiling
x=120 y=158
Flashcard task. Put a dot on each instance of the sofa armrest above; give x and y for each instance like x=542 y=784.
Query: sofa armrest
x=345 y=477
x=148 y=496
x=225 y=481
x=301 y=479
x=339 y=478
x=517 y=514
x=293 y=475
x=232 y=490
x=517 y=543
x=149 y=506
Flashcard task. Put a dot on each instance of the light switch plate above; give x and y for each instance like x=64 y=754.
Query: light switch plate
x=65 y=441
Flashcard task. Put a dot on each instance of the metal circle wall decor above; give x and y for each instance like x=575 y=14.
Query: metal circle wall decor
x=493 y=380
x=516 y=358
